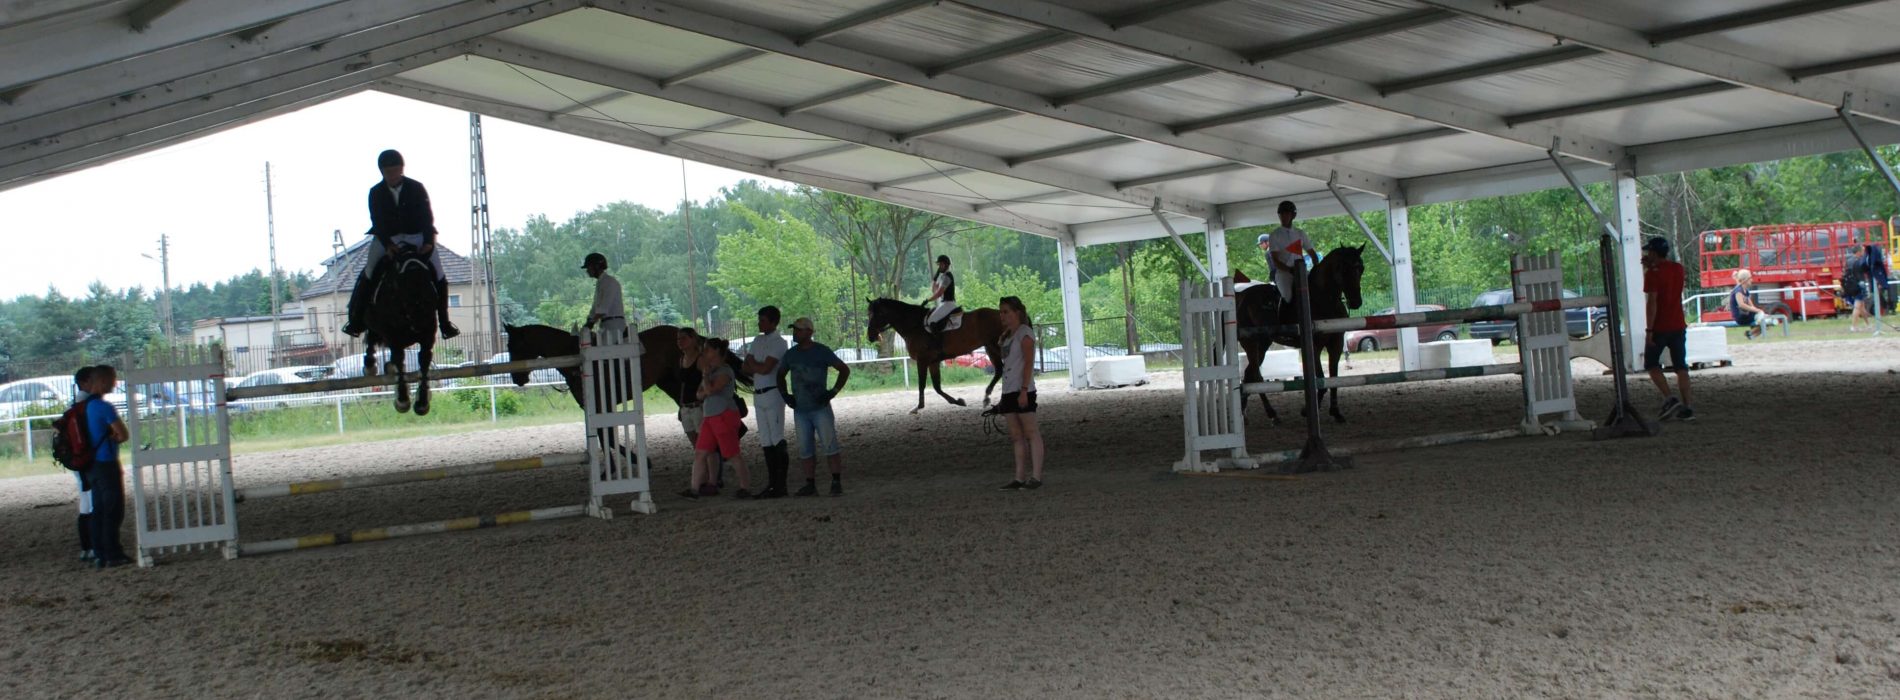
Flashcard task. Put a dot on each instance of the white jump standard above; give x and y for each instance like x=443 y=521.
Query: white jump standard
x=182 y=491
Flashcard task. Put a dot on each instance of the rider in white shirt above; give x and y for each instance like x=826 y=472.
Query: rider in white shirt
x=1278 y=246
x=761 y=361
x=610 y=308
x=943 y=290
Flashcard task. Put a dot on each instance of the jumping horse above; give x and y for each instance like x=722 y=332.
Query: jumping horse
x=1334 y=286
x=402 y=312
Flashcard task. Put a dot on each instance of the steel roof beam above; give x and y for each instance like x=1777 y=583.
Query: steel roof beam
x=1487 y=69
x=863 y=17
x=1646 y=98
x=1014 y=47
x=353 y=52
x=37 y=57
x=1687 y=56
x=324 y=26
x=814 y=155
x=610 y=133
x=884 y=68
x=1748 y=18
x=1183 y=175
x=720 y=125
x=712 y=66
x=144 y=14
x=864 y=88
x=1280 y=109
x=1025 y=199
x=1158 y=11
x=921 y=177
x=1130 y=84
x=848 y=132
x=978 y=119
x=1069 y=150
x=1318 y=82
x=1381 y=142
x=1335 y=36
x=1844 y=65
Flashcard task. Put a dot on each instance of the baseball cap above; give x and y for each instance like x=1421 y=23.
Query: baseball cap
x=388 y=158
x=594 y=258
x=803 y=323
x=1657 y=245
x=1262 y=239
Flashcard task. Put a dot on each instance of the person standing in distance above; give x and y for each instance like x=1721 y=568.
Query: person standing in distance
x=1662 y=282
x=762 y=359
x=1018 y=346
x=399 y=214
x=807 y=362
x=106 y=476
x=610 y=307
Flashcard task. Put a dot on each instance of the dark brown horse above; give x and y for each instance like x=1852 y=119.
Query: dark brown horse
x=981 y=328
x=401 y=313
x=1334 y=284
x=659 y=358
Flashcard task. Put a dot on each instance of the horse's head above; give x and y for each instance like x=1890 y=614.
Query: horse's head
x=882 y=314
x=1344 y=267
x=534 y=342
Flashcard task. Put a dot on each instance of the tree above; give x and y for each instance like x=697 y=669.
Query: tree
x=780 y=261
x=883 y=242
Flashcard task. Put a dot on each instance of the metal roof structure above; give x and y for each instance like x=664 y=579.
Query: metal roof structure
x=1058 y=118
x=1072 y=119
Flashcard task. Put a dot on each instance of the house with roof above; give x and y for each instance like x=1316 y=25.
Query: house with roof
x=325 y=304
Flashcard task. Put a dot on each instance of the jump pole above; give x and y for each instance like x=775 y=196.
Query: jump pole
x=392 y=532
x=305 y=488
x=385 y=379
x=1420 y=375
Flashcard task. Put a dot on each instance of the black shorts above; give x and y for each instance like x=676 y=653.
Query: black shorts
x=1674 y=342
x=1009 y=404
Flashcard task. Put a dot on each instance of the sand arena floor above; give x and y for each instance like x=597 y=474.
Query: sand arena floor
x=1755 y=553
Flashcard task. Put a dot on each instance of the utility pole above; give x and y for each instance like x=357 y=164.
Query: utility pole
x=165 y=321
x=481 y=254
x=686 y=211
x=276 y=305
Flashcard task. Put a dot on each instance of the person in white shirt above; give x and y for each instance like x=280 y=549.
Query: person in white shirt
x=609 y=310
x=1278 y=247
x=761 y=361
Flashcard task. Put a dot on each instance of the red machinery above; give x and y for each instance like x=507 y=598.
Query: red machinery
x=1787 y=255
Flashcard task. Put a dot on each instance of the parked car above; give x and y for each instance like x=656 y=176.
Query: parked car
x=539 y=376
x=281 y=375
x=978 y=358
x=1580 y=322
x=36 y=396
x=850 y=354
x=1369 y=340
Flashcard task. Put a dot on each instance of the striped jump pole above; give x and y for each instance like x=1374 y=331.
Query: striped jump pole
x=305 y=488
x=290 y=544
x=1442 y=439
x=1421 y=375
x=1412 y=319
x=316 y=386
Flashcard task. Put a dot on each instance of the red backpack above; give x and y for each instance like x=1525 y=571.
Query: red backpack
x=73 y=447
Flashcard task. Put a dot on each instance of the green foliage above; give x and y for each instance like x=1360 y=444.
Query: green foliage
x=781 y=261
x=507 y=401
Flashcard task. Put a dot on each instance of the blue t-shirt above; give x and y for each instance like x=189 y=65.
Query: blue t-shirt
x=1735 y=311
x=807 y=370
x=100 y=415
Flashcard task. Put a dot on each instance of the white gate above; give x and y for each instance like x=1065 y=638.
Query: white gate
x=180 y=450
x=616 y=432
x=1543 y=342
x=1211 y=377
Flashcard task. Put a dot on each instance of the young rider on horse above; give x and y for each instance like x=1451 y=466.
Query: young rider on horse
x=1278 y=246
x=399 y=214
x=943 y=290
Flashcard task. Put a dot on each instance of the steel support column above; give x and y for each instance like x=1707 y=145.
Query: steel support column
x=1629 y=238
x=1404 y=288
x=1216 y=249
x=1072 y=312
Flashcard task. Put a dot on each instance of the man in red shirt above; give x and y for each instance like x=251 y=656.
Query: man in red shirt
x=1662 y=281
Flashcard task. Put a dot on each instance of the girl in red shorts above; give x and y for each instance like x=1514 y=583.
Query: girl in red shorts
x=719 y=429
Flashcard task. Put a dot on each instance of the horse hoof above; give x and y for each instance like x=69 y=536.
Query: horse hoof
x=916 y=410
x=422 y=409
x=402 y=406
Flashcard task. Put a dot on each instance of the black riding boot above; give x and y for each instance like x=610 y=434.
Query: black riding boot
x=359 y=299
x=442 y=315
x=776 y=464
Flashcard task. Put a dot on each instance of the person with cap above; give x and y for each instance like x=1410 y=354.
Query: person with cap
x=807 y=362
x=1280 y=246
x=1662 y=282
x=399 y=215
x=943 y=290
x=610 y=308
x=762 y=359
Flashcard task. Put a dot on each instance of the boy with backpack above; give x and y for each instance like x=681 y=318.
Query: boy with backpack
x=82 y=381
x=86 y=440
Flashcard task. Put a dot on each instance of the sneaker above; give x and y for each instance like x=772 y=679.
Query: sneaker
x=837 y=488
x=1033 y=484
x=809 y=489
x=690 y=493
x=1014 y=486
x=113 y=562
x=742 y=495
x=1669 y=408
x=1685 y=413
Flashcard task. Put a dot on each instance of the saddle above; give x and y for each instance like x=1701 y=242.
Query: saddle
x=953 y=321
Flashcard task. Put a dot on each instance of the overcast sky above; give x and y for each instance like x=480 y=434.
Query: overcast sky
x=208 y=194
